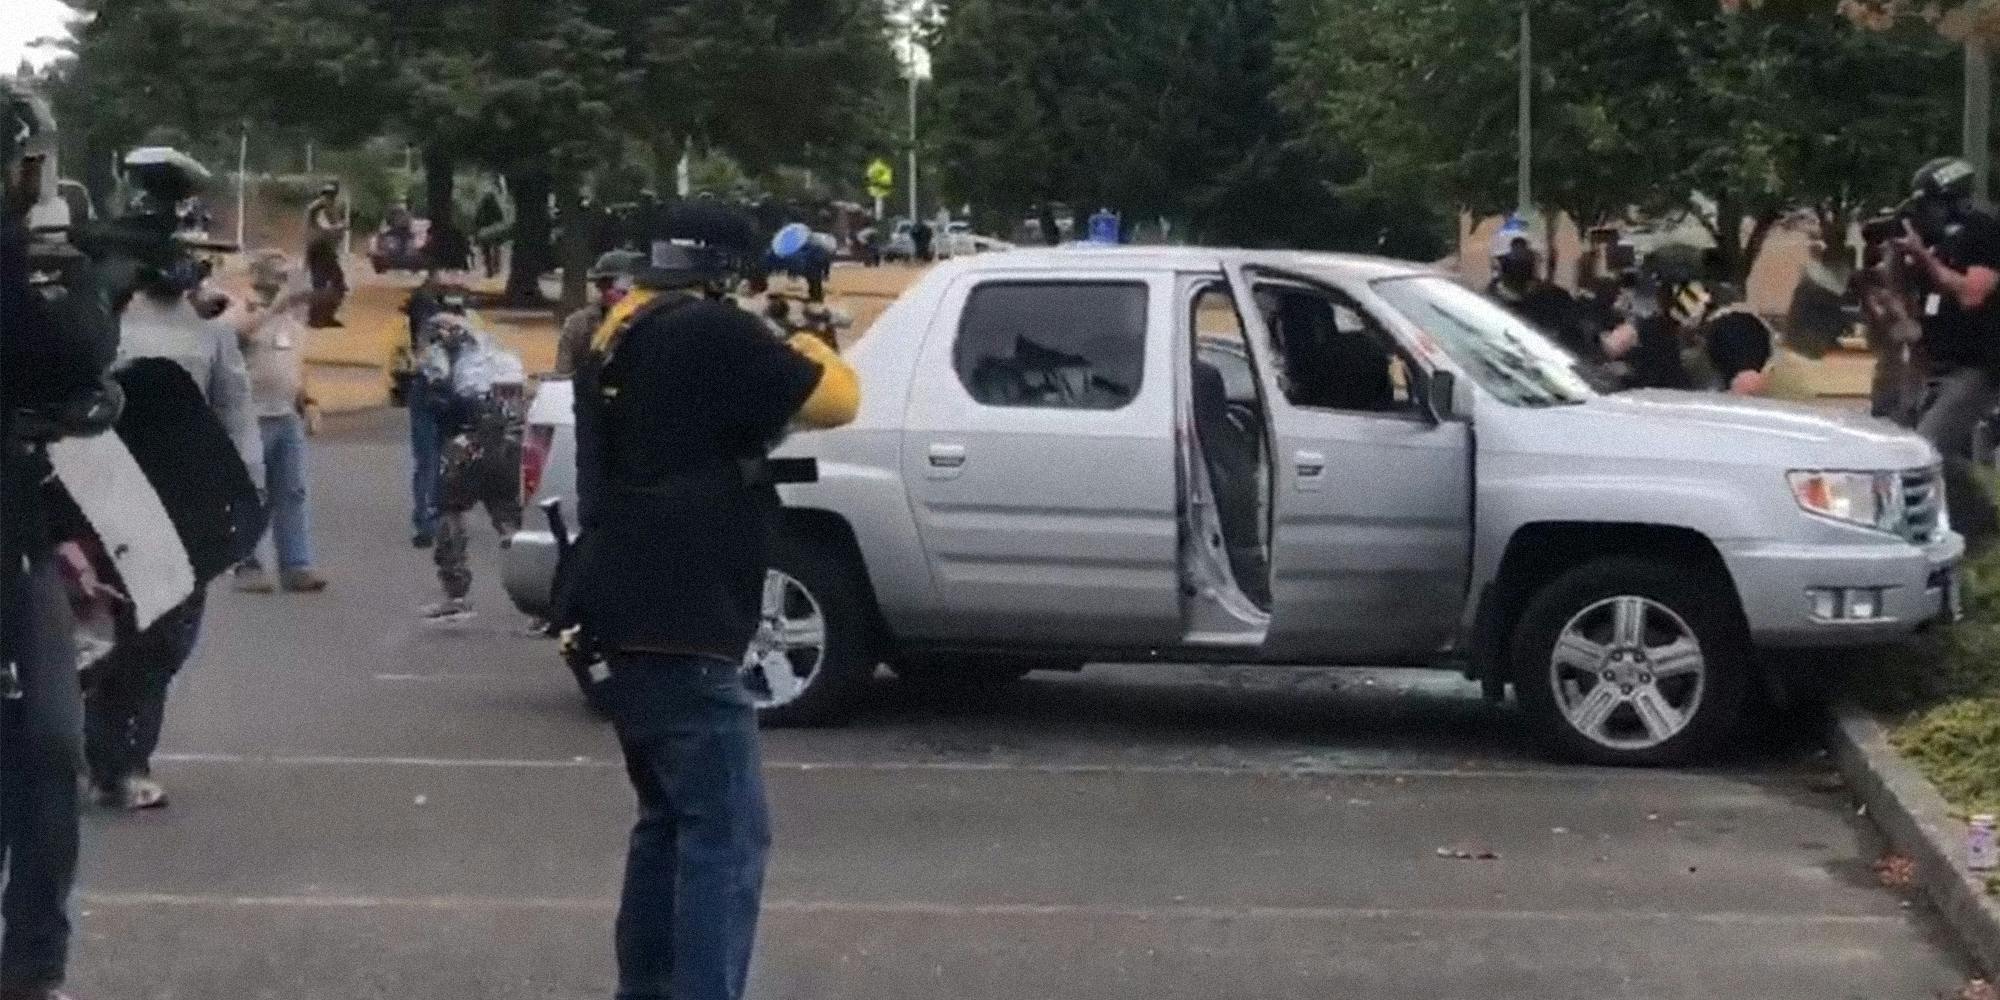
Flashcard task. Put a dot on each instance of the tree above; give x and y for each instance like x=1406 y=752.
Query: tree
x=1155 y=107
x=547 y=92
x=1754 y=110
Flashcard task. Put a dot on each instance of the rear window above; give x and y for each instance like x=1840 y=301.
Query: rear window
x=1053 y=345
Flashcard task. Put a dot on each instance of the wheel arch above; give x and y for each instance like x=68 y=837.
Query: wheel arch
x=1537 y=553
x=819 y=526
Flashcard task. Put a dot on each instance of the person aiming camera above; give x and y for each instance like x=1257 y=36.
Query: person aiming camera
x=56 y=345
x=1952 y=249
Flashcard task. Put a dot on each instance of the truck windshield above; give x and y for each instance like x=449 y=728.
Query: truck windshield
x=1507 y=356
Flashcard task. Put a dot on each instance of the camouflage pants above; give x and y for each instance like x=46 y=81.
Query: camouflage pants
x=478 y=468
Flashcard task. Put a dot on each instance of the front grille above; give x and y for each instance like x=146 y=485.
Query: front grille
x=1922 y=496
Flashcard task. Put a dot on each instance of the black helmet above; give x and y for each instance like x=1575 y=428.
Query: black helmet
x=1944 y=177
x=673 y=266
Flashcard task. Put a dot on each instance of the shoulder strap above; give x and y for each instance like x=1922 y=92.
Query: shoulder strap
x=637 y=306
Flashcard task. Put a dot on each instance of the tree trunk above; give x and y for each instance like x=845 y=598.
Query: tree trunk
x=449 y=248
x=574 y=248
x=1550 y=222
x=1728 y=233
x=440 y=170
x=529 y=186
x=1753 y=247
x=1050 y=234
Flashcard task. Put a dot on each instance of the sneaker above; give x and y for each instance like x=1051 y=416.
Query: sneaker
x=302 y=581
x=422 y=540
x=133 y=793
x=251 y=579
x=144 y=793
x=456 y=609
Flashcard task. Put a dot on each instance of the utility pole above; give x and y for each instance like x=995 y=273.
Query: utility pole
x=1979 y=115
x=242 y=181
x=913 y=139
x=1524 y=183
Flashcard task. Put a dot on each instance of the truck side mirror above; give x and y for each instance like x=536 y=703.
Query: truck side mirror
x=1441 y=394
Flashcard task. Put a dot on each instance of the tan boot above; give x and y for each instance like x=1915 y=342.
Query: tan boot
x=251 y=579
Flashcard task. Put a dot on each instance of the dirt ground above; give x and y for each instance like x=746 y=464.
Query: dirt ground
x=348 y=367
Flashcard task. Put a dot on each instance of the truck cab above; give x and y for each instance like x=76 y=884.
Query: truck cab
x=1264 y=457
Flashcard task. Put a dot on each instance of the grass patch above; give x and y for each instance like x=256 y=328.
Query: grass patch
x=1943 y=696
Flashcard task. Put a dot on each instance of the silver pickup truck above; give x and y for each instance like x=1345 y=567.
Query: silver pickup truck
x=1099 y=454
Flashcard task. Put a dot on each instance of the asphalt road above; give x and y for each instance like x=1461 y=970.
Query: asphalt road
x=365 y=807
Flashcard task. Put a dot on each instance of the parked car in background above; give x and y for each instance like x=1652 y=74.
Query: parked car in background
x=400 y=244
x=902 y=244
x=1159 y=454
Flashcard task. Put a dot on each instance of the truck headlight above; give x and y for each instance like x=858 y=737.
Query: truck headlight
x=1867 y=499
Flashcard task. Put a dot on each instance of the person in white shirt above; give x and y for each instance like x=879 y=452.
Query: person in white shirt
x=273 y=338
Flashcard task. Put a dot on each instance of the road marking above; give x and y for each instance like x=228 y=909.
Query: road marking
x=486 y=678
x=920 y=908
x=1283 y=769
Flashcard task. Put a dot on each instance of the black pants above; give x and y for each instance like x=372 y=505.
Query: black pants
x=126 y=702
x=39 y=733
x=329 y=284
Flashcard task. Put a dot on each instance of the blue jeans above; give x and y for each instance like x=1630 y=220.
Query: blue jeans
x=426 y=458
x=41 y=736
x=688 y=917
x=285 y=487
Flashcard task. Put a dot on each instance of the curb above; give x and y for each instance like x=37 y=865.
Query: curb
x=1917 y=823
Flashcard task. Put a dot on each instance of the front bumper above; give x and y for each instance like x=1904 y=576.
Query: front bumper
x=1775 y=581
x=528 y=571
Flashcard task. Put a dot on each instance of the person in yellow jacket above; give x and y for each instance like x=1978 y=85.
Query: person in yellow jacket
x=678 y=404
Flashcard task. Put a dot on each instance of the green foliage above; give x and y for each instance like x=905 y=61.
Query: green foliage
x=1957 y=746
x=1155 y=107
x=1639 y=104
x=1945 y=689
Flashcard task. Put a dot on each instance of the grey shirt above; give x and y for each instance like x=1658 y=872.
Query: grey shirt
x=207 y=350
x=274 y=346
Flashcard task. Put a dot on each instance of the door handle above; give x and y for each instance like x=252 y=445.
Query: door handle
x=946 y=460
x=1311 y=469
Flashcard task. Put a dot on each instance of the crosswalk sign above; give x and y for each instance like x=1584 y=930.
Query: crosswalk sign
x=881 y=179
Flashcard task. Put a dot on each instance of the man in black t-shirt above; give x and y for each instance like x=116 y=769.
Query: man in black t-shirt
x=1955 y=249
x=324 y=228
x=678 y=402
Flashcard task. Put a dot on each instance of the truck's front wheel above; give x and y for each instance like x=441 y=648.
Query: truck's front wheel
x=1629 y=661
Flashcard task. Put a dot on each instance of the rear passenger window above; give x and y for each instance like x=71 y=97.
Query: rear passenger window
x=1053 y=345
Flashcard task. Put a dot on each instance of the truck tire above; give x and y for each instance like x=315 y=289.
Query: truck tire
x=817 y=638
x=1629 y=661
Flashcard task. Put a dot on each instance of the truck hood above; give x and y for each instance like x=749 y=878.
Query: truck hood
x=1667 y=425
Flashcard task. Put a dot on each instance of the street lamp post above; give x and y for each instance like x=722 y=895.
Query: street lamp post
x=913 y=141
x=242 y=182
x=1524 y=187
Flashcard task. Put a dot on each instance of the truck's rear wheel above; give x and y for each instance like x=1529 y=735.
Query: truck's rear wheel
x=1629 y=661
x=812 y=657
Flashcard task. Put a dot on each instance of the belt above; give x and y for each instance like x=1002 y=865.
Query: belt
x=752 y=472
